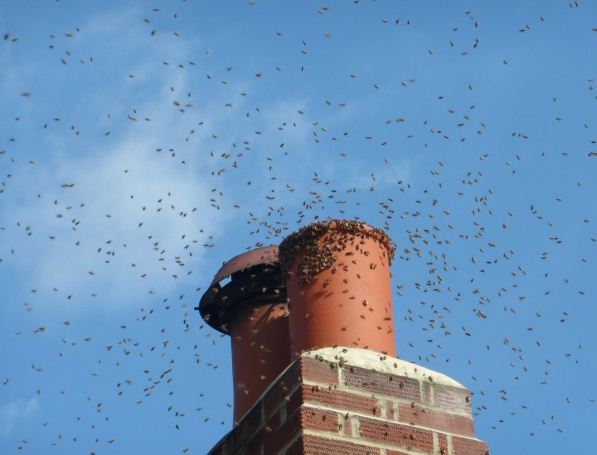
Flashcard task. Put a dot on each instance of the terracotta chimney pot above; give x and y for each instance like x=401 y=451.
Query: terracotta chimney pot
x=252 y=309
x=338 y=285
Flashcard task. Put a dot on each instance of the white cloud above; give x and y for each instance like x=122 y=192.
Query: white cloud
x=16 y=411
x=111 y=220
x=85 y=239
x=97 y=238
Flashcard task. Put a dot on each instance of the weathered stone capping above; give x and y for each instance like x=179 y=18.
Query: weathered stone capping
x=354 y=401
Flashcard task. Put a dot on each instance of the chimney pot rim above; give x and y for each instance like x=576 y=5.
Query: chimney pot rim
x=240 y=262
x=216 y=310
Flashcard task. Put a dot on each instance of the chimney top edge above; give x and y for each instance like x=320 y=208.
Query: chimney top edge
x=372 y=360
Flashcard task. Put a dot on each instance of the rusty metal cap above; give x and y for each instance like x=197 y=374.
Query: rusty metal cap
x=255 y=277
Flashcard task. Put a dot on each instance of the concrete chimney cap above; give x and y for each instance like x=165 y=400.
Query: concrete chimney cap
x=258 y=256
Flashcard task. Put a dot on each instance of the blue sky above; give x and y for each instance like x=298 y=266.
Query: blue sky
x=144 y=143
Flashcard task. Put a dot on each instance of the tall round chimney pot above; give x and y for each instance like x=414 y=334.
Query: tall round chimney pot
x=339 y=286
x=251 y=307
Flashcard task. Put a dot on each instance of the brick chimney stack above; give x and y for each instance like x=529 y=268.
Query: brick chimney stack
x=313 y=354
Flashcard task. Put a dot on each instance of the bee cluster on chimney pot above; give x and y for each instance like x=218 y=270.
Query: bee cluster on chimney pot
x=320 y=243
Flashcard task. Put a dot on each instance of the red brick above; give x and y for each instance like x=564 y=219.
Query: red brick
x=254 y=445
x=404 y=436
x=245 y=431
x=263 y=435
x=452 y=398
x=438 y=420
x=287 y=432
x=464 y=446
x=295 y=400
x=280 y=391
x=276 y=425
x=295 y=449
x=276 y=421
x=316 y=370
x=315 y=445
x=341 y=400
x=383 y=383
x=319 y=419
x=443 y=444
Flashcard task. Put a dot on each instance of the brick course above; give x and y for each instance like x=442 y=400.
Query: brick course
x=453 y=399
x=317 y=445
x=319 y=419
x=342 y=400
x=316 y=370
x=436 y=419
x=462 y=446
x=381 y=383
x=405 y=436
x=322 y=407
